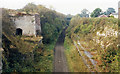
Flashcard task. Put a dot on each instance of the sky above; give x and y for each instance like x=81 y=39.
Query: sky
x=64 y=6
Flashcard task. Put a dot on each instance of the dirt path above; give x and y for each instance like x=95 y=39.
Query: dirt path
x=60 y=63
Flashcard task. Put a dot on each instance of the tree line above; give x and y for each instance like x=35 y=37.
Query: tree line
x=95 y=13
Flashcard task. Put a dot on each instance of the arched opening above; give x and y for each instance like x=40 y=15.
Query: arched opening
x=18 y=31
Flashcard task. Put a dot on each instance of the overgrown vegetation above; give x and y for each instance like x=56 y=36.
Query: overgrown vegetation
x=75 y=62
x=25 y=53
x=13 y=47
x=98 y=36
x=52 y=22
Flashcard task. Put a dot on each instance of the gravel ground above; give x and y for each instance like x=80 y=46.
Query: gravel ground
x=60 y=62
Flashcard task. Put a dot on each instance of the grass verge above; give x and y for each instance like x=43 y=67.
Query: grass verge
x=75 y=62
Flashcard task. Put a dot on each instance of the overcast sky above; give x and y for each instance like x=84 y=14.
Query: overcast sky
x=64 y=6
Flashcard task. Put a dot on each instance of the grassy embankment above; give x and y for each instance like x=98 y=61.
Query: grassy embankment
x=43 y=55
x=75 y=62
x=25 y=53
x=39 y=59
x=44 y=60
x=98 y=36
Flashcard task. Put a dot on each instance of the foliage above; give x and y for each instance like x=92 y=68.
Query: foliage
x=96 y=12
x=17 y=54
x=84 y=13
x=110 y=57
x=43 y=61
x=75 y=61
x=21 y=53
x=85 y=30
x=52 y=22
x=110 y=10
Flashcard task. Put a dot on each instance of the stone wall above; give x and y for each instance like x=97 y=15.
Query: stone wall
x=30 y=24
x=37 y=24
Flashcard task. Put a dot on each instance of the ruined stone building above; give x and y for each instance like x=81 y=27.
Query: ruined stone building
x=27 y=24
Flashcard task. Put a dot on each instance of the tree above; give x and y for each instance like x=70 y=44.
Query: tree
x=51 y=21
x=84 y=13
x=30 y=7
x=96 y=12
x=110 y=10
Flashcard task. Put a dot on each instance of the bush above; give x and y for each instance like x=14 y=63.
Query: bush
x=85 y=30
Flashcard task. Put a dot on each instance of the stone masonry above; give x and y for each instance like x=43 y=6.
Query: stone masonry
x=27 y=24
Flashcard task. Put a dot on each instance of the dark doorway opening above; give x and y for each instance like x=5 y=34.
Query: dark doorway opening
x=18 y=31
x=37 y=32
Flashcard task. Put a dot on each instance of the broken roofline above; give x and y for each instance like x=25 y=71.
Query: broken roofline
x=22 y=14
